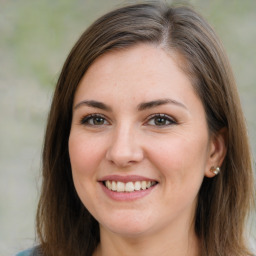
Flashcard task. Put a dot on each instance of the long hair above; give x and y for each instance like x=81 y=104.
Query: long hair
x=64 y=225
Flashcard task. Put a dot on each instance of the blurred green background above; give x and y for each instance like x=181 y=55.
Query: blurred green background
x=35 y=38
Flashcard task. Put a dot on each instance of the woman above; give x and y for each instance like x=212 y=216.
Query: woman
x=146 y=150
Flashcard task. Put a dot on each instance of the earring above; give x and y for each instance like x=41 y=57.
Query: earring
x=215 y=170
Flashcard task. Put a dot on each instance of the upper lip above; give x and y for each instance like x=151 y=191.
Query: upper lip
x=125 y=179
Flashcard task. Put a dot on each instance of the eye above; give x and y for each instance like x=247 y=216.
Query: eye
x=161 y=120
x=94 y=120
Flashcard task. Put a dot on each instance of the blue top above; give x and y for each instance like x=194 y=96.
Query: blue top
x=26 y=253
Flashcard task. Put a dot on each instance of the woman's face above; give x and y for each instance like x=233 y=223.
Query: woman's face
x=139 y=144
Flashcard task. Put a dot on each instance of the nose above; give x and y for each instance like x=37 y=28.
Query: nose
x=124 y=149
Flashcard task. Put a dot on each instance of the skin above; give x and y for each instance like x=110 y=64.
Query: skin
x=126 y=139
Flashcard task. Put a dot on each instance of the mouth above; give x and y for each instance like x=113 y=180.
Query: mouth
x=128 y=187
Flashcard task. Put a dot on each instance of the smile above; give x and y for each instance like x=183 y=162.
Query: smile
x=129 y=187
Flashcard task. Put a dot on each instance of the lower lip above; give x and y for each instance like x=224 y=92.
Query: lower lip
x=126 y=196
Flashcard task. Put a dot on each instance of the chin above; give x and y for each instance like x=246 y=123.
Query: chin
x=130 y=232
x=129 y=226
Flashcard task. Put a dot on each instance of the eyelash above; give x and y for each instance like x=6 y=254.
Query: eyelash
x=162 y=117
x=85 y=120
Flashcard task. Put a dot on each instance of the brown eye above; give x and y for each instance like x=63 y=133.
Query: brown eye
x=94 y=120
x=161 y=120
x=98 y=121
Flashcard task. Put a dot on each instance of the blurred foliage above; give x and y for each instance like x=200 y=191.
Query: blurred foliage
x=38 y=35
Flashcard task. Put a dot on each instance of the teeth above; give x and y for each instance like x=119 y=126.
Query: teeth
x=114 y=186
x=108 y=184
x=137 y=185
x=129 y=186
x=143 y=185
x=120 y=186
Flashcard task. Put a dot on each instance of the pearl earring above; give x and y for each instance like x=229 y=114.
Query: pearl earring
x=215 y=170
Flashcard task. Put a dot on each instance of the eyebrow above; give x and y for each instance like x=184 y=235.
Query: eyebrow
x=93 y=104
x=155 y=103
x=141 y=106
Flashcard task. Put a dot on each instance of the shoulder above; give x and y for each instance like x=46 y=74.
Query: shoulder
x=29 y=252
x=25 y=253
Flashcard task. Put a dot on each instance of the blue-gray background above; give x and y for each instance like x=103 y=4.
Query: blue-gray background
x=35 y=38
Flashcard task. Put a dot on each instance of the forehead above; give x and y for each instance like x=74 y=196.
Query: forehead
x=143 y=72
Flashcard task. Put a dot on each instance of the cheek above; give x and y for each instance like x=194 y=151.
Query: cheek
x=180 y=159
x=84 y=158
x=84 y=154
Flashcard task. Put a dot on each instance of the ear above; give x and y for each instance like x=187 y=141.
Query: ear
x=217 y=151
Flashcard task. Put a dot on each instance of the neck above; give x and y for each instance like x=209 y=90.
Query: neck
x=164 y=243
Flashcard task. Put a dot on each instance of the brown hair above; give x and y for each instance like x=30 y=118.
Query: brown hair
x=64 y=225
